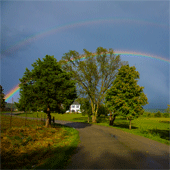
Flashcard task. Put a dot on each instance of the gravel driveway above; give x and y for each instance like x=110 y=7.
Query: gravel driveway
x=108 y=148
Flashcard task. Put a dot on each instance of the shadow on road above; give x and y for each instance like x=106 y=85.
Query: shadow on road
x=111 y=160
x=77 y=125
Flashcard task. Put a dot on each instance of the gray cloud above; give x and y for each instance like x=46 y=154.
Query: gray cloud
x=14 y=41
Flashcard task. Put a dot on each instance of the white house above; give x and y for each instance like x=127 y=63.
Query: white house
x=75 y=107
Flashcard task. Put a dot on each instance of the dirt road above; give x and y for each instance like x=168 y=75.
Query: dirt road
x=108 y=148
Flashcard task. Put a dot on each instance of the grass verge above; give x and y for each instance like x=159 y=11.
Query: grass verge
x=153 y=128
x=37 y=147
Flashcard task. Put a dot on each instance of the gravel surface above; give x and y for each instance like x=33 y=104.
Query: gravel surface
x=108 y=148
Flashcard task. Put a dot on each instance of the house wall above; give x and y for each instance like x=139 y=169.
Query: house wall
x=76 y=108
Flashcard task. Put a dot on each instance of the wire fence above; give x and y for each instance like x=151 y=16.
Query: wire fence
x=40 y=119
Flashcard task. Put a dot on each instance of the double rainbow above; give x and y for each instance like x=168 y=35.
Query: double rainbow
x=53 y=30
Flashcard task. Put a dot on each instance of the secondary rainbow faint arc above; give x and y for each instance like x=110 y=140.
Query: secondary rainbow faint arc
x=16 y=88
x=76 y=24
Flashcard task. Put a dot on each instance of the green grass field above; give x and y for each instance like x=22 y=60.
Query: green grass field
x=153 y=128
x=35 y=146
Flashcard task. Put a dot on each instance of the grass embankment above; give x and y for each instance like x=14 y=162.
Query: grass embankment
x=27 y=147
x=153 y=128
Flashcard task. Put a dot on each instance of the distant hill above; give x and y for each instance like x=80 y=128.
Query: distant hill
x=155 y=110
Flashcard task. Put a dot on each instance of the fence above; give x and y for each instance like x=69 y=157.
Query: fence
x=38 y=119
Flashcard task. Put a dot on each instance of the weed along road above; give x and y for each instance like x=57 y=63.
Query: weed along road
x=108 y=148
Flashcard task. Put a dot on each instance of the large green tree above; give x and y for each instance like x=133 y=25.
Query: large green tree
x=2 y=98
x=47 y=86
x=93 y=72
x=126 y=97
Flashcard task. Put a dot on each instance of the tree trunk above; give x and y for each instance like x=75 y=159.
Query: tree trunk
x=93 y=119
x=48 y=121
x=93 y=112
x=112 y=119
x=88 y=119
x=130 y=124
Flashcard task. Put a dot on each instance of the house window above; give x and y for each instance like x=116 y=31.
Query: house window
x=73 y=106
x=77 y=106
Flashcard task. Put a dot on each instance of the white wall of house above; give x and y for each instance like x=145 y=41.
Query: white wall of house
x=74 y=108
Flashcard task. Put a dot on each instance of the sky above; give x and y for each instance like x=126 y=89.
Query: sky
x=34 y=29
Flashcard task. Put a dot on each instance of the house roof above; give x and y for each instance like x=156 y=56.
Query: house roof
x=75 y=103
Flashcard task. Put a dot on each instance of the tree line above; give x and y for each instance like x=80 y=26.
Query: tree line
x=98 y=81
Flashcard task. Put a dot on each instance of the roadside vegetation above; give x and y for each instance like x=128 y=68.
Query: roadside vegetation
x=154 y=126
x=36 y=147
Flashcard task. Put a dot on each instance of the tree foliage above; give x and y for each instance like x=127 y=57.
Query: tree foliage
x=93 y=72
x=47 y=86
x=85 y=107
x=126 y=97
x=2 y=98
x=168 y=109
x=103 y=110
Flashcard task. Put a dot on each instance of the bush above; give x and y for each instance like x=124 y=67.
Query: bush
x=148 y=114
x=166 y=115
x=158 y=114
x=102 y=110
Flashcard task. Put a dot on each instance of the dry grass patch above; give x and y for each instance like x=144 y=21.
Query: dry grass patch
x=29 y=146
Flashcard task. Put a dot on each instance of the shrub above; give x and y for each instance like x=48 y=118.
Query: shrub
x=148 y=114
x=166 y=115
x=158 y=114
x=102 y=110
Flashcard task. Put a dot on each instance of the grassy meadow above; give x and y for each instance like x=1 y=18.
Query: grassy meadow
x=35 y=147
x=155 y=128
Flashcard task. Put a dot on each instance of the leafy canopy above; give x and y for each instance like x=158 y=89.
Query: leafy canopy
x=126 y=97
x=85 y=106
x=93 y=72
x=46 y=86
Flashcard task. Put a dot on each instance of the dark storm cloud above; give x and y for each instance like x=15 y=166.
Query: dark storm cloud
x=14 y=41
x=148 y=32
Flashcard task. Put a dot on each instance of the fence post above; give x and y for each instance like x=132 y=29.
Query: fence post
x=11 y=114
x=53 y=119
x=25 y=118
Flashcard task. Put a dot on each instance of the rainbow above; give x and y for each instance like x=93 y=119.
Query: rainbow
x=117 y=52
x=12 y=92
x=53 y=30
